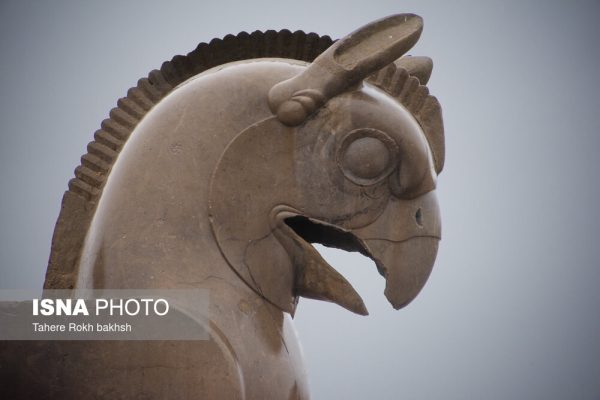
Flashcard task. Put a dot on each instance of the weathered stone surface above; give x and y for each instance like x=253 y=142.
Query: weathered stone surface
x=217 y=172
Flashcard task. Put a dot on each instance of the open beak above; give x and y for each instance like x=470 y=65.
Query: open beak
x=402 y=242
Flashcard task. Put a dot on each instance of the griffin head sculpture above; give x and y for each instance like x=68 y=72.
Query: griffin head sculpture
x=220 y=169
x=340 y=162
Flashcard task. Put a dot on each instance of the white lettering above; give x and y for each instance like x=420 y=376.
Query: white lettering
x=166 y=303
x=49 y=307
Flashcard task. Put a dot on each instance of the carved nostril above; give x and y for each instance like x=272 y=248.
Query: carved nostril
x=419 y=217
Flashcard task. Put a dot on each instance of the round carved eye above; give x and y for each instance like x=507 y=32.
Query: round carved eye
x=367 y=156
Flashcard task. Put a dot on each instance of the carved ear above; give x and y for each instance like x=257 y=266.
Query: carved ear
x=343 y=65
x=419 y=67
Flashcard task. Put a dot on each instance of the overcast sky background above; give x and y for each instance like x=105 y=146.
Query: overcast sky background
x=512 y=309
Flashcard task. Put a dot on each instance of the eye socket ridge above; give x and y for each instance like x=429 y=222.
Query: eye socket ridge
x=367 y=156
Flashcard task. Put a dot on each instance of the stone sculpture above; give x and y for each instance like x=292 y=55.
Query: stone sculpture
x=217 y=171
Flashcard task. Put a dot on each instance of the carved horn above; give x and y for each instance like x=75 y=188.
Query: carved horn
x=343 y=65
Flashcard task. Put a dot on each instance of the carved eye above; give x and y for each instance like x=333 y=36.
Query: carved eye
x=367 y=156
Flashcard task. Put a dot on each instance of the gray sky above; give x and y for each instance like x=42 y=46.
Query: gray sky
x=511 y=308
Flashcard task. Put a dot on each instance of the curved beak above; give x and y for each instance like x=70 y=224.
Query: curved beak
x=403 y=242
x=405 y=265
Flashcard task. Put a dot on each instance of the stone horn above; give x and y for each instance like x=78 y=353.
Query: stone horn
x=345 y=64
